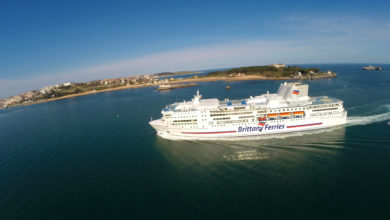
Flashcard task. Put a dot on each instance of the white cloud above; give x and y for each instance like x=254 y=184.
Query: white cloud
x=235 y=54
x=306 y=40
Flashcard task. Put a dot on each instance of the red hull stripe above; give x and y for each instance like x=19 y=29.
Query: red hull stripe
x=214 y=132
x=297 y=126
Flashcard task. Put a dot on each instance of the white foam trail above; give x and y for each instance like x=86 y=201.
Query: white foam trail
x=364 y=120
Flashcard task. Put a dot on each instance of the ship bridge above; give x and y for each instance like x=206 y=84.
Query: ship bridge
x=288 y=94
x=294 y=91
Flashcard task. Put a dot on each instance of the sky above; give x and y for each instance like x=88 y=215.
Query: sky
x=48 y=42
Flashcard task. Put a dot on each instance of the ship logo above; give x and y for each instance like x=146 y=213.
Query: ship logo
x=296 y=92
x=261 y=123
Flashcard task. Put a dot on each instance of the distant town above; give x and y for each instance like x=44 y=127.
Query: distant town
x=72 y=89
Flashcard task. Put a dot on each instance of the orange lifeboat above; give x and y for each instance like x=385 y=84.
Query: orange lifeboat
x=285 y=114
x=272 y=115
x=298 y=113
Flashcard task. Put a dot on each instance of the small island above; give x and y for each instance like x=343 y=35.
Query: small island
x=273 y=72
x=371 y=67
x=73 y=89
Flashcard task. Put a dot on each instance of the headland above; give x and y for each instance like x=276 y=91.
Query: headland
x=73 y=89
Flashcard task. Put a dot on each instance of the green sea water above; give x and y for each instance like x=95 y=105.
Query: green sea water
x=96 y=157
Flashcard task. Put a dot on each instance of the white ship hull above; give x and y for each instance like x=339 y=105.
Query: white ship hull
x=249 y=130
x=289 y=110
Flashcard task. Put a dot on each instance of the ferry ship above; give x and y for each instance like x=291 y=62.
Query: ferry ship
x=288 y=110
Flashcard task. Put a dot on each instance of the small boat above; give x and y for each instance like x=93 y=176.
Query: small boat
x=227 y=87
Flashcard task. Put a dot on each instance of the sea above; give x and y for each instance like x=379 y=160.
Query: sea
x=96 y=157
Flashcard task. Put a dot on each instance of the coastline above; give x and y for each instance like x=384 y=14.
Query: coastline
x=80 y=94
x=202 y=79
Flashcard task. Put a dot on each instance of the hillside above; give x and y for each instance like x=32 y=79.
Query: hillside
x=268 y=71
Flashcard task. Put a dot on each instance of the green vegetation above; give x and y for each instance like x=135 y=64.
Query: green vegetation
x=176 y=73
x=75 y=88
x=269 y=71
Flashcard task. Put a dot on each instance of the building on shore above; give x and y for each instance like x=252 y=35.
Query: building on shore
x=278 y=65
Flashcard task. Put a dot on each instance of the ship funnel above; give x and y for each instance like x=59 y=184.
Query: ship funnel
x=294 y=91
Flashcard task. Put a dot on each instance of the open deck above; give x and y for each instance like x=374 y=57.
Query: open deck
x=319 y=100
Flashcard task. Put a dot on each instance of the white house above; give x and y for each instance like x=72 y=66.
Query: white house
x=278 y=65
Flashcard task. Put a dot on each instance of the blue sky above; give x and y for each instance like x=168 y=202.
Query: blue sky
x=49 y=42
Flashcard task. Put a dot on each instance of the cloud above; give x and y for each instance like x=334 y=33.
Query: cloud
x=234 y=54
x=305 y=39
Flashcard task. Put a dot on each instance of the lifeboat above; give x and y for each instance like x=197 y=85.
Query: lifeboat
x=298 y=113
x=272 y=115
x=285 y=114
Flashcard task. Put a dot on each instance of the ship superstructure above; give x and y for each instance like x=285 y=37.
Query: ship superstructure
x=288 y=110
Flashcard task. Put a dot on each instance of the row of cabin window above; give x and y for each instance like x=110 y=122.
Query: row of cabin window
x=235 y=108
x=190 y=120
x=324 y=109
x=328 y=116
x=323 y=105
x=183 y=116
x=216 y=119
x=223 y=125
x=285 y=117
x=183 y=123
x=247 y=116
x=324 y=113
x=232 y=121
x=233 y=113
x=287 y=109
x=281 y=120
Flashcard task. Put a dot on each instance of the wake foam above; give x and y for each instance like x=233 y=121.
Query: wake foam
x=364 y=120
